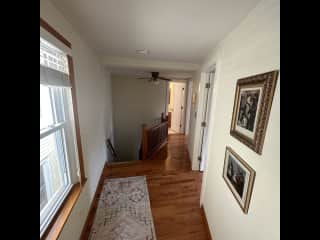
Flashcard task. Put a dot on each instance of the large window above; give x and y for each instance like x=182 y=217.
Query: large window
x=58 y=158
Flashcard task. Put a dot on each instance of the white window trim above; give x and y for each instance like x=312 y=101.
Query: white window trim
x=71 y=158
x=52 y=208
x=50 y=129
x=71 y=141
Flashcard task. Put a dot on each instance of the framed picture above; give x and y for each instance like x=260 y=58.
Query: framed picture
x=251 y=109
x=239 y=177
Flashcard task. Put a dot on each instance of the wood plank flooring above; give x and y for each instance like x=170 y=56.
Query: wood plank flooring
x=174 y=192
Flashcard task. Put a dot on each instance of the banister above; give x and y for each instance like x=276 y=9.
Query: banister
x=154 y=137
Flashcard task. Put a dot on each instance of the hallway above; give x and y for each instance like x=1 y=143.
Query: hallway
x=174 y=191
x=107 y=112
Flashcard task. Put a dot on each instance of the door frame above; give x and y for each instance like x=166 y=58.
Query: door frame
x=205 y=118
x=199 y=110
x=216 y=68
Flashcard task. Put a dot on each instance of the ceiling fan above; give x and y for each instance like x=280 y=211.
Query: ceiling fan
x=155 y=78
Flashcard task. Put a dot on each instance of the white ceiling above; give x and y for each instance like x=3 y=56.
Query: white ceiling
x=172 y=30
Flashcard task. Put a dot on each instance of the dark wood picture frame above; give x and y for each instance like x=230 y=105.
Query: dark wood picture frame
x=267 y=82
x=244 y=206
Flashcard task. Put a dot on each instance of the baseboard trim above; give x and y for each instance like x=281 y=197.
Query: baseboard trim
x=204 y=216
x=93 y=206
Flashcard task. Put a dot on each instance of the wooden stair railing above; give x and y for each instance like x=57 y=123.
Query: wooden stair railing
x=154 y=138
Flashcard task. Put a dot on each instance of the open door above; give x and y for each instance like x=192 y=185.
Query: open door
x=205 y=121
x=176 y=106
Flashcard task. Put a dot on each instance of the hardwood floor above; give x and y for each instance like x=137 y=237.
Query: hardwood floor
x=174 y=192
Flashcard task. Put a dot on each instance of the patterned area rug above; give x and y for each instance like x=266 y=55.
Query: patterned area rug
x=123 y=211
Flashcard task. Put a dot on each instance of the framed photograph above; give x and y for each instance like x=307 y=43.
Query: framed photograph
x=239 y=177
x=251 y=109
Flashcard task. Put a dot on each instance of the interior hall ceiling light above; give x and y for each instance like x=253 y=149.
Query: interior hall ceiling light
x=143 y=51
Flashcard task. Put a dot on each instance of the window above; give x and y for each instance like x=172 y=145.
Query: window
x=58 y=158
x=52 y=57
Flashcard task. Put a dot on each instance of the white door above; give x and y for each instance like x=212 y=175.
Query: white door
x=178 y=110
x=205 y=121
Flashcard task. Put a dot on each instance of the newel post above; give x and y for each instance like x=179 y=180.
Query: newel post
x=163 y=117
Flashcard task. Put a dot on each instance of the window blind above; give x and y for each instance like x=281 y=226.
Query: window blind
x=53 y=66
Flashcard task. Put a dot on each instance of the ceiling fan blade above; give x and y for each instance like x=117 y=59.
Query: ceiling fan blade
x=147 y=78
x=163 y=78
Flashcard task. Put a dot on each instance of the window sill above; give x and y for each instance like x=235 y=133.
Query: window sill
x=56 y=225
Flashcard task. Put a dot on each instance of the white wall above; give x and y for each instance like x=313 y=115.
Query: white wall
x=95 y=114
x=135 y=101
x=251 y=48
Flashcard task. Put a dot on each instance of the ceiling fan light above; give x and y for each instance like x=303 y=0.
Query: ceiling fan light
x=142 y=51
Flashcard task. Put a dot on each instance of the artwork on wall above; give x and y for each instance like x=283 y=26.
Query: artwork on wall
x=251 y=109
x=239 y=177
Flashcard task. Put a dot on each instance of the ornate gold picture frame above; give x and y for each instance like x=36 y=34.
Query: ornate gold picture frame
x=239 y=177
x=251 y=109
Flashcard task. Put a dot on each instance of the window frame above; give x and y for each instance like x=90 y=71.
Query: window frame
x=61 y=125
x=69 y=199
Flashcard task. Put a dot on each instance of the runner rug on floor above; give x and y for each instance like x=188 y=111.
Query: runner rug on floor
x=123 y=211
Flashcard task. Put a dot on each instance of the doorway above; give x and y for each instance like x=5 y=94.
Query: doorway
x=176 y=107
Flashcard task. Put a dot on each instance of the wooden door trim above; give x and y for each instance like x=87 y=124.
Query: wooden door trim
x=55 y=33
